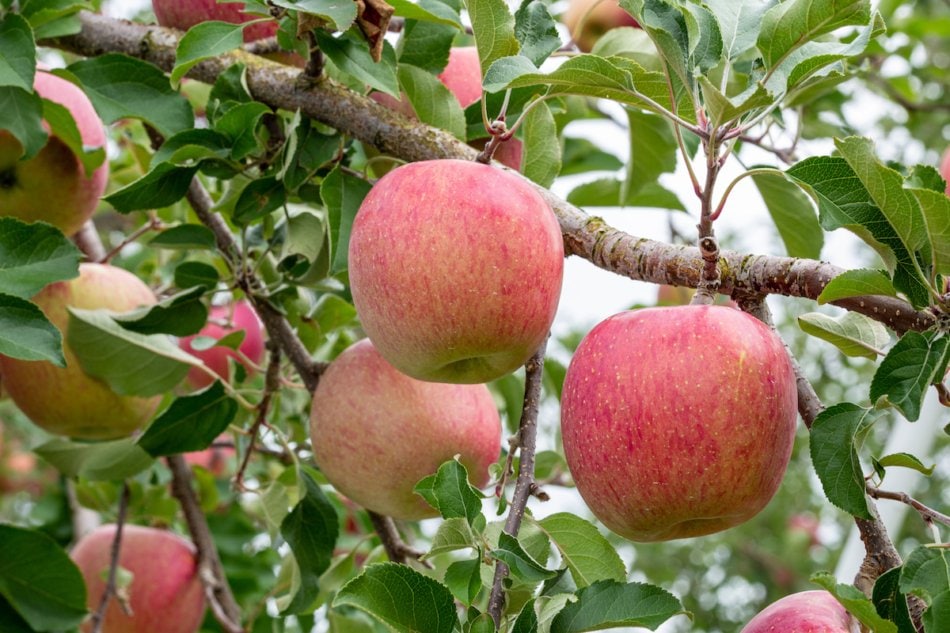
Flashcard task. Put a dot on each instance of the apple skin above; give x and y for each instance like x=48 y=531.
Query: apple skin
x=241 y=317
x=53 y=186
x=455 y=270
x=166 y=595
x=945 y=169
x=184 y=14
x=217 y=460
x=678 y=422
x=804 y=612
x=376 y=432
x=67 y=401
x=603 y=17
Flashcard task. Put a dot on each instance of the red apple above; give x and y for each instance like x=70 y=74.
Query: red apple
x=678 y=422
x=945 y=169
x=223 y=320
x=376 y=432
x=53 y=185
x=184 y=14
x=804 y=612
x=455 y=270
x=217 y=459
x=588 y=20
x=165 y=596
x=67 y=401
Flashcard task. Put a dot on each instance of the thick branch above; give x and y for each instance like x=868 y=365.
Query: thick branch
x=588 y=237
x=396 y=549
x=87 y=239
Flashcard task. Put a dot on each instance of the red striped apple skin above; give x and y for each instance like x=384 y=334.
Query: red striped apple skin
x=184 y=14
x=455 y=269
x=804 y=612
x=678 y=422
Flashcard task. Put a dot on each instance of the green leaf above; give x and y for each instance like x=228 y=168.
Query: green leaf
x=834 y=436
x=184 y=237
x=666 y=26
x=164 y=185
x=63 y=126
x=189 y=274
x=401 y=598
x=453 y=534
x=26 y=333
x=585 y=551
x=449 y=492
x=580 y=156
x=605 y=192
x=17 y=53
x=527 y=620
x=520 y=563
x=434 y=12
x=607 y=604
x=722 y=109
x=32 y=256
x=259 y=199
x=240 y=124
x=739 y=24
x=705 y=39
x=130 y=363
x=342 y=196
x=542 y=151
x=935 y=207
x=907 y=371
x=926 y=573
x=181 y=314
x=855 y=602
x=792 y=213
x=890 y=602
x=857 y=283
x=189 y=148
x=338 y=15
x=424 y=44
x=350 y=54
x=39 y=580
x=789 y=25
x=311 y=529
x=494 y=29
x=905 y=460
x=463 y=578
x=653 y=151
x=52 y=18
x=10 y=620
x=100 y=461
x=122 y=87
x=433 y=103
x=21 y=114
x=191 y=423
x=204 y=40
x=536 y=30
x=852 y=333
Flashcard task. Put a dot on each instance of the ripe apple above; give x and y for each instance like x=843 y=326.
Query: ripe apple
x=804 y=612
x=945 y=169
x=67 y=401
x=165 y=596
x=376 y=432
x=53 y=185
x=588 y=20
x=223 y=320
x=455 y=270
x=184 y=14
x=678 y=422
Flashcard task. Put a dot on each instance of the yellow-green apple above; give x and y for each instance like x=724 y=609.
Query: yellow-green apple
x=222 y=321
x=68 y=401
x=588 y=20
x=678 y=422
x=945 y=169
x=455 y=270
x=165 y=596
x=804 y=612
x=376 y=432
x=184 y=14
x=53 y=186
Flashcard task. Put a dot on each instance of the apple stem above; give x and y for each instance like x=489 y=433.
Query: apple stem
x=397 y=550
x=88 y=240
x=525 y=486
x=271 y=385
x=98 y=618
x=314 y=68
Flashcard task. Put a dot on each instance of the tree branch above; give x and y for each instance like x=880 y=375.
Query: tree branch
x=88 y=241
x=98 y=618
x=396 y=549
x=271 y=385
x=927 y=513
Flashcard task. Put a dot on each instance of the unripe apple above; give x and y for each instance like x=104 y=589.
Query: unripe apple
x=678 y=422
x=67 y=401
x=222 y=321
x=376 y=432
x=588 y=20
x=945 y=169
x=804 y=612
x=53 y=186
x=184 y=14
x=455 y=270
x=165 y=596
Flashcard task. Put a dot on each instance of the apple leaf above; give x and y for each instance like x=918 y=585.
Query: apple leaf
x=433 y=103
x=905 y=460
x=54 y=18
x=338 y=15
x=890 y=603
x=793 y=214
x=926 y=573
x=184 y=237
x=190 y=274
x=935 y=206
x=425 y=44
x=705 y=38
x=17 y=53
x=191 y=423
x=181 y=314
x=98 y=461
x=834 y=436
x=32 y=256
x=857 y=604
x=350 y=54
x=260 y=198
x=162 y=186
x=40 y=582
x=494 y=30
x=542 y=150
x=585 y=551
x=520 y=563
x=131 y=364
x=21 y=114
x=908 y=370
x=307 y=150
x=580 y=156
x=605 y=192
x=342 y=196
x=122 y=87
x=852 y=333
x=449 y=492
x=401 y=598
x=857 y=283
x=536 y=30
x=453 y=534
x=63 y=126
x=739 y=24
x=527 y=620
x=666 y=26
x=653 y=151
x=311 y=529
x=434 y=12
x=26 y=333
x=608 y=604
x=204 y=40
x=464 y=580
x=10 y=620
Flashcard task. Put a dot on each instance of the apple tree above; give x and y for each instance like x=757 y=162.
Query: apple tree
x=278 y=283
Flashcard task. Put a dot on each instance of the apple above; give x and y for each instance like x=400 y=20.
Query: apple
x=804 y=612
x=455 y=269
x=67 y=401
x=945 y=169
x=678 y=422
x=165 y=595
x=216 y=459
x=222 y=321
x=376 y=432
x=588 y=20
x=53 y=186
x=184 y=14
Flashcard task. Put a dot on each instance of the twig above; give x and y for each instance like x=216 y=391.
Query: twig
x=271 y=385
x=396 y=549
x=210 y=570
x=154 y=224
x=525 y=486
x=88 y=241
x=98 y=618
x=926 y=512
x=708 y=244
